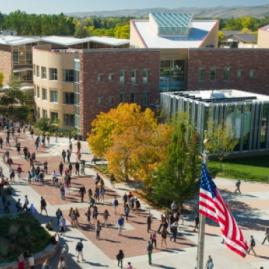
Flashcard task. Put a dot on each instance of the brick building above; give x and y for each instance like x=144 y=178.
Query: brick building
x=242 y=69
x=74 y=85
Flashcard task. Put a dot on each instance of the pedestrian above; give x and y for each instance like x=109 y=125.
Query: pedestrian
x=43 y=206
x=129 y=266
x=266 y=235
x=77 y=168
x=62 y=191
x=58 y=214
x=88 y=215
x=79 y=249
x=164 y=236
x=19 y=171
x=115 y=204
x=149 y=250
x=12 y=175
x=63 y=155
x=95 y=212
x=1 y=142
x=237 y=185
x=62 y=225
x=126 y=211
x=90 y=194
x=68 y=155
x=120 y=257
x=98 y=229
x=173 y=229
x=153 y=238
x=106 y=215
x=31 y=261
x=82 y=191
x=61 y=263
x=209 y=263
x=61 y=168
x=18 y=205
x=149 y=222
x=120 y=224
x=196 y=221
x=21 y=262
x=26 y=203
x=252 y=245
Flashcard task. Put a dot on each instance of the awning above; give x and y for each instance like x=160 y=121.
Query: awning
x=22 y=70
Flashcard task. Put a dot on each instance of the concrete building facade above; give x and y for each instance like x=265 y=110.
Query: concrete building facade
x=263 y=37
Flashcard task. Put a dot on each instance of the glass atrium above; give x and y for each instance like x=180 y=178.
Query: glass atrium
x=245 y=114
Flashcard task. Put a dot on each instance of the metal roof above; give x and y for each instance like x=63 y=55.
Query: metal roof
x=61 y=40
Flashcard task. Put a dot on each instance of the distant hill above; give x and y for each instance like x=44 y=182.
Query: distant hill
x=216 y=12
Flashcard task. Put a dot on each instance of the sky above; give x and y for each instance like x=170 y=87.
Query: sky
x=65 y=6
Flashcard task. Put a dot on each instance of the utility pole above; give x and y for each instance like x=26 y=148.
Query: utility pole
x=201 y=230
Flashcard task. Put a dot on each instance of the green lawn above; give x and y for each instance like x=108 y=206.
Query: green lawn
x=250 y=168
x=19 y=234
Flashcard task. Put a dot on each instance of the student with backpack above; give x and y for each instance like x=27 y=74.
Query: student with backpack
x=149 y=250
x=79 y=249
x=252 y=245
x=120 y=257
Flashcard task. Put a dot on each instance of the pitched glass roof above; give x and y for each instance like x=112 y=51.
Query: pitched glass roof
x=170 y=19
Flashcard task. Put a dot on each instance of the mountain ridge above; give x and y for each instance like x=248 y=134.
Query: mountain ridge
x=214 y=12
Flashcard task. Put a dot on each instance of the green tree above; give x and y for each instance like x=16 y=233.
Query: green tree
x=176 y=179
x=221 y=141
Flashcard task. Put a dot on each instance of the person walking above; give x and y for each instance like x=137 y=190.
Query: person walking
x=153 y=238
x=82 y=191
x=63 y=155
x=209 y=263
x=115 y=204
x=164 y=236
x=126 y=211
x=120 y=224
x=61 y=263
x=98 y=229
x=130 y=266
x=79 y=249
x=77 y=166
x=106 y=215
x=252 y=245
x=43 y=206
x=237 y=185
x=88 y=215
x=149 y=222
x=120 y=257
x=149 y=250
x=266 y=235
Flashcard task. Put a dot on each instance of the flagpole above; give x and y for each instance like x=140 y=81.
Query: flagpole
x=201 y=230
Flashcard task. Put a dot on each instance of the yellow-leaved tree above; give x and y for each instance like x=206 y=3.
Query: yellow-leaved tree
x=130 y=139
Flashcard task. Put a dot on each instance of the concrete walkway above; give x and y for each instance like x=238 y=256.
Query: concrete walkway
x=251 y=209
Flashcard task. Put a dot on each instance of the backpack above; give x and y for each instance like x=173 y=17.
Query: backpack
x=150 y=247
x=116 y=202
x=252 y=243
x=79 y=246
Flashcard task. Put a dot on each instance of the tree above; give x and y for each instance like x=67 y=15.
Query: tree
x=130 y=139
x=220 y=141
x=176 y=178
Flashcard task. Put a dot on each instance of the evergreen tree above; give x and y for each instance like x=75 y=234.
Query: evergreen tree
x=176 y=179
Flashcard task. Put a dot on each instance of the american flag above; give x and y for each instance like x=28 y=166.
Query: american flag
x=212 y=205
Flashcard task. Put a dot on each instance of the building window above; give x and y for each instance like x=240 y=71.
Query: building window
x=53 y=74
x=111 y=100
x=69 y=120
x=37 y=92
x=99 y=77
x=69 y=98
x=133 y=76
x=122 y=97
x=227 y=73
x=110 y=76
x=44 y=113
x=43 y=72
x=213 y=74
x=68 y=75
x=34 y=73
x=38 y=112
x=100 y=100
x=53 y=96
x=15 y=56
x=29 y=56
x=145 y=99
x=37 y=70
x=201 y=74
x=54 y=116
x=145 y=76
x=44 y=94
x=122 y=77
x=132 y=97
x=239 y=73
x=251 y=73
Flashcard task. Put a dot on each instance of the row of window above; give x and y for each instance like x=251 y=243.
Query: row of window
x=22 y=55
x=68 y=119
x=123 y=98
x=68 y=97
x=226 y=73
x=69 y=75
x=123 y=74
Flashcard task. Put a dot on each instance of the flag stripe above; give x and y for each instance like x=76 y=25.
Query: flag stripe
x=212 y=205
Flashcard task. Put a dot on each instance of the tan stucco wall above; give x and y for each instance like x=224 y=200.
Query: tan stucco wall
x=53 y=59
x=263 y=38
x=136 y=40
x=5 y=63
x=212 y=38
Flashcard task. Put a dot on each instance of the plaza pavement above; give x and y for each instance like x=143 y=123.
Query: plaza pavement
x=251 y=210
